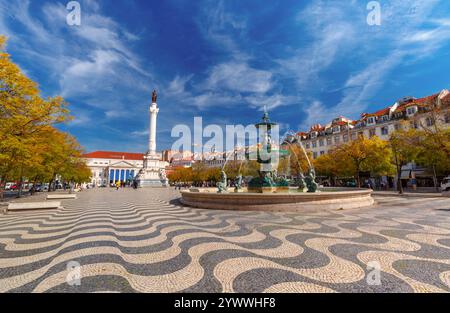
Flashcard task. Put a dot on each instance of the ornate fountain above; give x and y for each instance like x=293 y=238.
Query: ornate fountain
x=270 y=192
x=268 y=181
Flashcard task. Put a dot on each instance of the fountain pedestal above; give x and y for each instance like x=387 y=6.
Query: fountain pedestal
x=268 y=158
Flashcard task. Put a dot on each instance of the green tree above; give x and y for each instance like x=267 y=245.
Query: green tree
x=405 y=145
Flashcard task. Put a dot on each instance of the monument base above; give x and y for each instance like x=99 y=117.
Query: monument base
x=145 y=183
x=153 y=173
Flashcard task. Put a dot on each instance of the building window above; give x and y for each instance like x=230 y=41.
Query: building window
x=337 y=139
x=414 y=124
x=361 y=134
x=313 y=134
x=315 y=155
x=385 y=118
x=384 y=131
x=321 y=142
x=354 y=136
x=345 y=137
x=447 y=118
x=336 y=129
x=329 y=143
x=429 y=121
x=322 y=152
x=371 y=120
x=307 y=145
x=372 y=132
x=411 y=111
x=397 y=126
x=314 y=144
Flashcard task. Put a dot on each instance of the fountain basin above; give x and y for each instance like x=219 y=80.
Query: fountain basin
x=288 y=201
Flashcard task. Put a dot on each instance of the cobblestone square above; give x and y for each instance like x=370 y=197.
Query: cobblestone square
x=146 y=241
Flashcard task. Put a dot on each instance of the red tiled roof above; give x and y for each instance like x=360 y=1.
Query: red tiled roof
x=446 y=99
x=114 y=155
x=342 y=123
x=426 y=100
x=381 y=112
x=317 y=127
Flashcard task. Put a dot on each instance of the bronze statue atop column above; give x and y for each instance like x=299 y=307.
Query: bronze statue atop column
x=154 y=96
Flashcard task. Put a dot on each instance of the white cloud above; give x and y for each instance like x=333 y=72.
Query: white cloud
x=239 y=77
x=271 y=102
x=82 y=75
x=337 y=32
x=217 y=26
x=140 y=133
x=178 y=85
x=112 y=114
x=93 y=55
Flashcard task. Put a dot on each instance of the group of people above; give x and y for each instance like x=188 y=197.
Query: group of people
x=182 y=186
x=122 y=184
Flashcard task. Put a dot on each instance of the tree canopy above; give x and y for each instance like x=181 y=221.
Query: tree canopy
x=30 y=145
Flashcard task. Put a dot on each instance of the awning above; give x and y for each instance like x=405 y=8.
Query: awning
x=406 y=174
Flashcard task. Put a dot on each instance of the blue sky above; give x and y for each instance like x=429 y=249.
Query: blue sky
x=307 y=61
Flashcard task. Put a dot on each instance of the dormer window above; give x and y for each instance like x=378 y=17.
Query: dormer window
x=313 y=134
x=371 y=120
x=336 y=129
x=385 y=118
x=411 y=111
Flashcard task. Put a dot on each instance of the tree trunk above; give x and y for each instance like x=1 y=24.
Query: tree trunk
x=435 y=182
x=358 y=180
x=50 y=185
x=21 y=182
x=2 y=188
x=20 y=187
x=399 y=180
x=34 y=185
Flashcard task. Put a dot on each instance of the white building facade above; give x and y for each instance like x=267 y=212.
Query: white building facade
x=109 y=167
x=417 y=112
x=414 y=113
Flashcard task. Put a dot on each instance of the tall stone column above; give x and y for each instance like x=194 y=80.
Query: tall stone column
x=153 y=172
x=154 y=110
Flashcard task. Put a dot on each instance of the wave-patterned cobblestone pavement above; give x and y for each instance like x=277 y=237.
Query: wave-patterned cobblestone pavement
x=145 y=241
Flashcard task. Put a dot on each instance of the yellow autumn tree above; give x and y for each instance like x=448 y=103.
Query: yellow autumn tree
x=27 y=120
x=295 y=163
x=405 y=145
x=365 y=155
